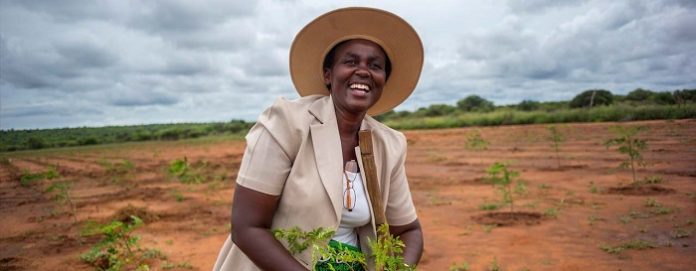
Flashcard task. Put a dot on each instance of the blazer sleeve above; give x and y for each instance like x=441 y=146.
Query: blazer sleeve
x=272 y=145
x=400 y=209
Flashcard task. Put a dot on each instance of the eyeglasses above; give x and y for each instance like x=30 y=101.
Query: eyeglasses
x=349 y=192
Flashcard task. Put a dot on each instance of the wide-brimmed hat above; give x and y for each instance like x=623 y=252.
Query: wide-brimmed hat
x=398 y=39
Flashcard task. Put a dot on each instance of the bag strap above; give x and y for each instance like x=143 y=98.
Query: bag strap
x=368 y=160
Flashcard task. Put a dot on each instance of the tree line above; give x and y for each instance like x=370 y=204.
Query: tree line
x=586 y=99
x=472 y=110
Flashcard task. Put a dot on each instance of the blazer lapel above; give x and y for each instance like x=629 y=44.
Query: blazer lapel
x=327 y=151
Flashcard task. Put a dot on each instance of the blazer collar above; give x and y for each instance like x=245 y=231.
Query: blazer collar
x=327 y=150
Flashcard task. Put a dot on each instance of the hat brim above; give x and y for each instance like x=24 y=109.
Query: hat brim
x=398 y=39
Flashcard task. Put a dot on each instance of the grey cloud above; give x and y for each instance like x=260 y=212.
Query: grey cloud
x=144 y=100
x=536 y=6
x=81 y=55
x=129 y=61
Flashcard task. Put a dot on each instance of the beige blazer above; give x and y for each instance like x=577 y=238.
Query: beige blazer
x=294 y=151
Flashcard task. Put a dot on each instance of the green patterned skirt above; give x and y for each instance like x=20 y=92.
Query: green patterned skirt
x=333 y=265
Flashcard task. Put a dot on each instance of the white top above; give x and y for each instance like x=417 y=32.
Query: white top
x=358 y=217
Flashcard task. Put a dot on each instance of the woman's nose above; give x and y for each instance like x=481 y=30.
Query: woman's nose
x=362 y=70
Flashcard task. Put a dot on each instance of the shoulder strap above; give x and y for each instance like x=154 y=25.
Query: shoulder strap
x=368 y=160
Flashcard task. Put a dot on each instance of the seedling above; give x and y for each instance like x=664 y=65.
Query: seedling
x=489 y=206
x=657 y=208
x=186 y=172
x=494 y=265
x=119 y=248
x=60 y=191
x=551 y=212
x=629 y=145
x=556 y=138
x=387 y=249
x=489 y=227
x=594 y=189
x=464 y=266
x=499 y=175
x=118 y=170
x=475 y=142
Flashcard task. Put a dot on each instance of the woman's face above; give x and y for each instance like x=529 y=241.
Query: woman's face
x=357 y=76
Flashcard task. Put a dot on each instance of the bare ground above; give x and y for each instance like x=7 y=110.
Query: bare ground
x=567 y=214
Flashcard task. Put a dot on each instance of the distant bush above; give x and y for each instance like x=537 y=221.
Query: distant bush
x=528 y=105
x=475 y=103
x=435 y=110
x=639 y=95
x=591 y=98
x=35 y=143
x=663 y=98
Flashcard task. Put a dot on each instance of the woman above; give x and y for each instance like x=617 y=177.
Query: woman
x=301 y=167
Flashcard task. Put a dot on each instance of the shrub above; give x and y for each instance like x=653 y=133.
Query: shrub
x=528 y=105
x=639 y=95
x=119 y=248
x=474 y=103
x=629 y=145
x=591 y=98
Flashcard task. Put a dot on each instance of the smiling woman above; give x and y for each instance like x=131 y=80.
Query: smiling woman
x=301 y=166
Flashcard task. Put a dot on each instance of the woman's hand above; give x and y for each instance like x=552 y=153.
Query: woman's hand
x=252 y=215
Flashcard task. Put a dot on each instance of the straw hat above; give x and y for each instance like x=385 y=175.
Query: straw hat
x=398 y=39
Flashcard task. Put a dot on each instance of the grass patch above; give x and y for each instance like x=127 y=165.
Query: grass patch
x=636 y=244
x=28 y=178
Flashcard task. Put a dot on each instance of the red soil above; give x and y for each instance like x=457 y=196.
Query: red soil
x=568 y=212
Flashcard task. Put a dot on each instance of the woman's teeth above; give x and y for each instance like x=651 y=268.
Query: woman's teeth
x=360 y=86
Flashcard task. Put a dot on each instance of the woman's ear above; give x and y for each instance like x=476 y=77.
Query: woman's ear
x=327 y=78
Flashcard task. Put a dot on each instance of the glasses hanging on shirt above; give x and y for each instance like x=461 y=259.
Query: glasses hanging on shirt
x=349 y=191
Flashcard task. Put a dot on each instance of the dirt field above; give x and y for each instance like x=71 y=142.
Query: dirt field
x=572 y=211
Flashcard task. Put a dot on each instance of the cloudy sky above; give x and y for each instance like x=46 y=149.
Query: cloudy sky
x=117 y=62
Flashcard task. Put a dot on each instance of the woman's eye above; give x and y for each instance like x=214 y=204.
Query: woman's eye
x=376 y=66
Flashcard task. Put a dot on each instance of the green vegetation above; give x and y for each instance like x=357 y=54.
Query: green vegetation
x=473 y=110
x=189 y=173
x=637 y=244
x=15 y=140
x=604 y=106
x=556 y=138
x=591 y=98
x=511 y=116
x=119 y=248
x=118 y=171
x=503 y=178
x=387 y=249
x=475 y=142
x=27 y=178
x=657 y=208
x=494 y=265
x=60 y=192
x=464 y=266
x=629 y=145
